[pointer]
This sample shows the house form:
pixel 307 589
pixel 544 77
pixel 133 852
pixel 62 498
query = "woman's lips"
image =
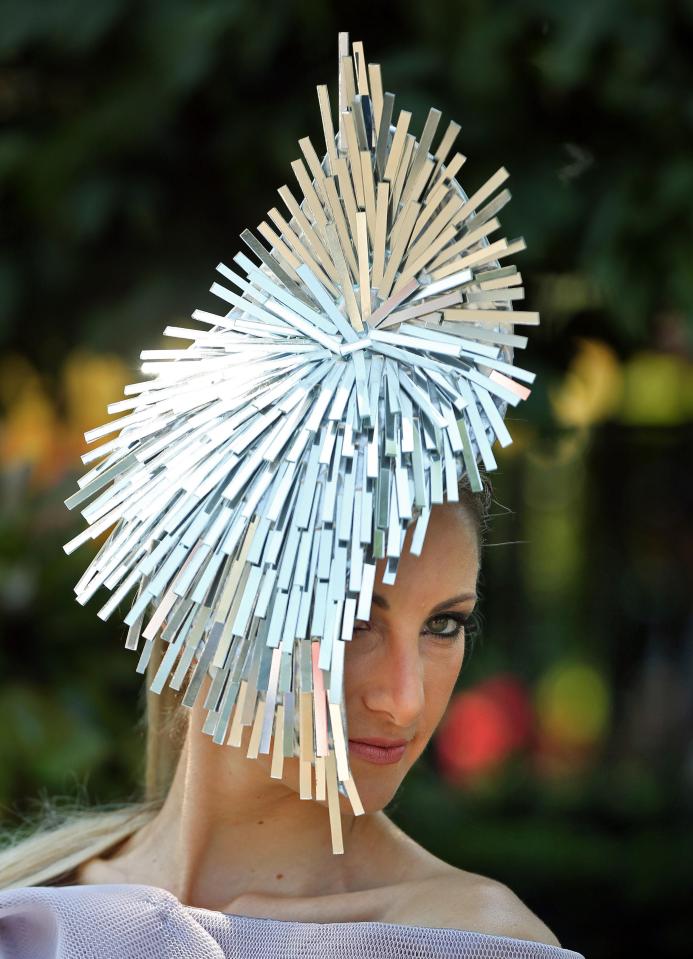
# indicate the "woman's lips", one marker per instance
pixel 381 755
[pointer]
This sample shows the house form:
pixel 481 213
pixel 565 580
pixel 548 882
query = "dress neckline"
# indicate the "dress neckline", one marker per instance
pixel 362 923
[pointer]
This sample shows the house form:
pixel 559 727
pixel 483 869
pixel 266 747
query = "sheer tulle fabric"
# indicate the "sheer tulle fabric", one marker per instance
pixel 124 921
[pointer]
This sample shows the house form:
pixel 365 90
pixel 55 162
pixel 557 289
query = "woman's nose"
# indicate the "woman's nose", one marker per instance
pixel 396 683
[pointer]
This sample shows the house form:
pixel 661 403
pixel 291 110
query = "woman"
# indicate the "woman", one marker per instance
pixel 224 836
pixel 285 497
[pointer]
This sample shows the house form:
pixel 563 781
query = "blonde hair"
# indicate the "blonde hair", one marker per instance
pixel 51 846
pixel 38 855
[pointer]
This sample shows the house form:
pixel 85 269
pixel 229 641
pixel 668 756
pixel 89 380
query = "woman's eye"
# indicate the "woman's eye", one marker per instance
pixel 446 626
pixel 449 626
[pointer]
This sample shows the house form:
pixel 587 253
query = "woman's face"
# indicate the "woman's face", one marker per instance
pixel 401 666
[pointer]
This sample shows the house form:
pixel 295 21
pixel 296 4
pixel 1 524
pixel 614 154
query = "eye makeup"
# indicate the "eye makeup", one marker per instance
pixel 458 620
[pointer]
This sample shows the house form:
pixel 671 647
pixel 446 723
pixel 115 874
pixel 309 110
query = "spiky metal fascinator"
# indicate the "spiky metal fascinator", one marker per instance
pixel 364 365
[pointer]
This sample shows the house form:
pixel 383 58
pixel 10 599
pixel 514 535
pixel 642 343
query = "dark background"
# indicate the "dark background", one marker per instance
pixel 137 140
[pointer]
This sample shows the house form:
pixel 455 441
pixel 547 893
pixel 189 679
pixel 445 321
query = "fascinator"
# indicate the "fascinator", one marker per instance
pixel 360 362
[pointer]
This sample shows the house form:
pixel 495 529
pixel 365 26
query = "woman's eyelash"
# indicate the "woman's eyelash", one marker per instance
pixel 463 620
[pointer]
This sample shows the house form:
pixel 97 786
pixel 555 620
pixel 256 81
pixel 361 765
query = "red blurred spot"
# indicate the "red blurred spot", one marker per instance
pixel 515 701
pixel 483 726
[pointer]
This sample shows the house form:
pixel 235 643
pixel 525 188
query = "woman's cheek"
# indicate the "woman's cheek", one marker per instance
pixel 440 681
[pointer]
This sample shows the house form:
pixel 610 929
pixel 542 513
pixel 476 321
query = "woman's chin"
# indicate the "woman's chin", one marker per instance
pixel 375 791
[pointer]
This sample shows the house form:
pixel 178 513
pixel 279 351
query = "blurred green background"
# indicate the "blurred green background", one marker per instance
pixel 137 140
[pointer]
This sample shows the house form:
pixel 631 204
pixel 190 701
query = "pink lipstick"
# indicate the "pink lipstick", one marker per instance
pixel 380 751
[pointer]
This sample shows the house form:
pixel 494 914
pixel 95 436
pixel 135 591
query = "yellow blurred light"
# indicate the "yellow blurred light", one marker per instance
pixel 29 427
pixel 16 374
pixel 90 382
pixel 572 704
pixel 592 387
pixel 658 390
pixel 32 430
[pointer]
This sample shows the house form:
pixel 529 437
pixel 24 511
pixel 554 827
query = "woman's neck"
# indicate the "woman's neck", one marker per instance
pixel 227 830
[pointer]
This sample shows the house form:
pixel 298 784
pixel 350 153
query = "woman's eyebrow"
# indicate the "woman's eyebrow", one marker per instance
pixel 380 600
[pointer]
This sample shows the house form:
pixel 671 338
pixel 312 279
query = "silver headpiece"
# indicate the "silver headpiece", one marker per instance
pixel 362 362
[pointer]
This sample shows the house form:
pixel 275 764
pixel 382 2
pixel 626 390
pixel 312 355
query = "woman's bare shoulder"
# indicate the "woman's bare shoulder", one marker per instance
pixel 431 892
pixel 457 899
